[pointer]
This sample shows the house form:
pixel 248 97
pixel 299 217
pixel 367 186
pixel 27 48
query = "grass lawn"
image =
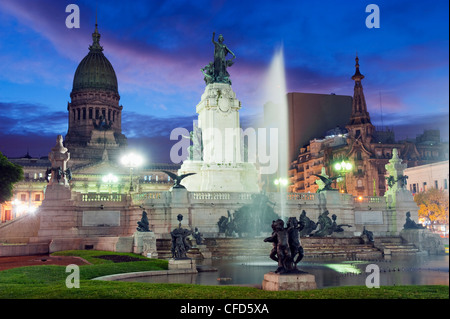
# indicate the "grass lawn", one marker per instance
pixel 43 282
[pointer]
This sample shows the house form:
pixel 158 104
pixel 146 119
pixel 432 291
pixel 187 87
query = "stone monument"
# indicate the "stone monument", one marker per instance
pixel 216 154
pixel 59 175
pixel 144 240
pixel 398 198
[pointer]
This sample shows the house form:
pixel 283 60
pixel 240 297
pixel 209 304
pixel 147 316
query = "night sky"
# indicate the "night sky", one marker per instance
pixel 157 49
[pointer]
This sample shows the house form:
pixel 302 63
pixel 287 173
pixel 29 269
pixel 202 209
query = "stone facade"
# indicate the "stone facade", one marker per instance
pixel 421 178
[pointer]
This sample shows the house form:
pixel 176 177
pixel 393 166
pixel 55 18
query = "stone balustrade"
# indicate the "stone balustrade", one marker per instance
pixel 370 199
pixel 102 197
pixel 142 197
pixel 300 196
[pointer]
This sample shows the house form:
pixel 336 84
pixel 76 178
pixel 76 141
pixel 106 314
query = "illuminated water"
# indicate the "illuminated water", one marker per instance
pixel 276 109
pixel 401 270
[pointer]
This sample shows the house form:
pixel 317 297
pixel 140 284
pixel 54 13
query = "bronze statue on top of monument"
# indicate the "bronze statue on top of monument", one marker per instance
pixel 216 71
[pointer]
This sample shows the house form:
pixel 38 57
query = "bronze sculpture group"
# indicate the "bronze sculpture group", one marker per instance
pixel 179 235
pixel 287 250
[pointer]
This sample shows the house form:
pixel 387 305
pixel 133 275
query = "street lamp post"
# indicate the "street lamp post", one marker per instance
pixel 131 161
pixel 343 167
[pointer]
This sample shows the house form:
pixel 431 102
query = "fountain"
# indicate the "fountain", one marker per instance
pixel 276 116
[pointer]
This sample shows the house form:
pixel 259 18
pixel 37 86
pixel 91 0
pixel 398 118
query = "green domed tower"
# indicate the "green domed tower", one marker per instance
pixel 95 115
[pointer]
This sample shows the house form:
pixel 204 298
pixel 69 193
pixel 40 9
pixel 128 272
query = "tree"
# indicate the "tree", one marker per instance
pixel 433 205
pixel 10 174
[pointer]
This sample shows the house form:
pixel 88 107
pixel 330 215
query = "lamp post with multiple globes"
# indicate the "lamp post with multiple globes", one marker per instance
pixel 343 167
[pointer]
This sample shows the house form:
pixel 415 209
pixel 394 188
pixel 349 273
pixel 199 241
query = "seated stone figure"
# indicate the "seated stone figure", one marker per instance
pixel 308 225
pixel 143 225
pixel 337 228
pixel 367 234
pixel 325 224
pixel 197 236
pixel 411 224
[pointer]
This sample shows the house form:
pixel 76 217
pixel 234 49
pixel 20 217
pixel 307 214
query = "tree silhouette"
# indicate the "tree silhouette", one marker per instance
pixel 10 174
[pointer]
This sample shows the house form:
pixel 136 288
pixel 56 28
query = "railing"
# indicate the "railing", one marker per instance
pixel 145 196
pixel 210 196
pixel 220 196
pixel 300 196
pixel 369 199
pixel 101 197
pixel 224 196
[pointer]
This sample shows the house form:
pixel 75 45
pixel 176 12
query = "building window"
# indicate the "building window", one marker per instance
pixel 359 183
pixel 414 188
pixel 23 197
pixel 445 183
pixel 424 186
pixel 358 156
pixel 90 114
pixel 436 185
pixel 84 113
pixel 37 197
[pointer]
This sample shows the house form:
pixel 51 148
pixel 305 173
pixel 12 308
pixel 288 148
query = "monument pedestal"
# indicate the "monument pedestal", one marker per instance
pixel 218 150
pixel 144 243
pixel 183 264
pixel 293 282
pixel 424 240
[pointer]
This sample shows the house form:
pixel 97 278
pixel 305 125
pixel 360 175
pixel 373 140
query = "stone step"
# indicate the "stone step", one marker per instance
pixel 314 247
pixel 386 240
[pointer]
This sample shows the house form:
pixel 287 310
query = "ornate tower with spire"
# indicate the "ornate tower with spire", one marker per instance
pixel 359 140
pixel 359 115
pixel 94 112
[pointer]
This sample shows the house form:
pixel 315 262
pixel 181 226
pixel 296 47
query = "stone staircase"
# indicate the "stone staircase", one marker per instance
pixel 395 246
pixel 314 247
pixel 329 247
